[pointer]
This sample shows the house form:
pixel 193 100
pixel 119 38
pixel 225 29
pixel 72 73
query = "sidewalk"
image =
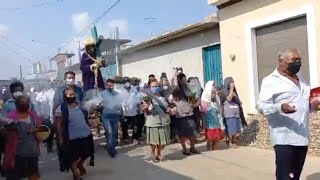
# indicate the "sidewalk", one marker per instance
pixel 244 163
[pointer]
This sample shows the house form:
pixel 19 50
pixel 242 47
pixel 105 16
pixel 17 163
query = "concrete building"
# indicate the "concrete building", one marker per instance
pixel 193 47
pixel 63 60
pixel 252 32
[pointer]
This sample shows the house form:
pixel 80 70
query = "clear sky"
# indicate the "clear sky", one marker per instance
pixel 34 29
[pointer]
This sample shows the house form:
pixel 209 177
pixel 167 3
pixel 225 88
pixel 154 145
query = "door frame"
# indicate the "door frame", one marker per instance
pixel 251 47
pixel 203 62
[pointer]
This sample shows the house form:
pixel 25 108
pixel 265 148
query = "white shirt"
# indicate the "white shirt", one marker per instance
pixel 45 100
pixel 285 129
pixel 49 97
pixel 130 102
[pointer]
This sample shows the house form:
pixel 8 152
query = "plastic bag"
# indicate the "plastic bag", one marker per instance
pixel 131 99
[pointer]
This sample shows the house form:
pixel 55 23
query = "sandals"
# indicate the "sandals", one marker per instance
pixel 162 159
pixel 82 170
pixel 155 160
pixel 77 178
pixel 194 151
pixel 186 152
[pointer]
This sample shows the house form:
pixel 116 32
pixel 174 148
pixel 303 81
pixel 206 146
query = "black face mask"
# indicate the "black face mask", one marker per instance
pixel 70 100
pixel 294 67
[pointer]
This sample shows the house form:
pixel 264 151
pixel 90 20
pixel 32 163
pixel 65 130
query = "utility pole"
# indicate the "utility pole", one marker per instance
pixel 20 69
pixel 79 52
pixel 117 50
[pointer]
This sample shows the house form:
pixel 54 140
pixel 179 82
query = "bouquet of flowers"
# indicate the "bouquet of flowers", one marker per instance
pixel 135 81
pixel 118 80
pixel 148 101
pixel 315 99
pixel 191 97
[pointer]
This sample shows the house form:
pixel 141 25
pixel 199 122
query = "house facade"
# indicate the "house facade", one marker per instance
pixel 195 48
pixel 252 32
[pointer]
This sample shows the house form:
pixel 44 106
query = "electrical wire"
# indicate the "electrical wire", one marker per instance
pixel 32 6
pixel 92 23
pixel 16 44
pixel 14 52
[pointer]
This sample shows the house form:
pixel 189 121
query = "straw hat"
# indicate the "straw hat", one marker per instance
pixel 89 41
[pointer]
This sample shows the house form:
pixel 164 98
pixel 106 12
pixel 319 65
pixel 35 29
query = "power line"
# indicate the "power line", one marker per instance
pixel 32 6
pixel 14 52
pixel 92 23
pixel 16 44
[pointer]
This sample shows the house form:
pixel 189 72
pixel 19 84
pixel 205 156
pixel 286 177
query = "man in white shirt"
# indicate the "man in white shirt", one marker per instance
pixel 284 100
pixel 130 110
pixel 44 109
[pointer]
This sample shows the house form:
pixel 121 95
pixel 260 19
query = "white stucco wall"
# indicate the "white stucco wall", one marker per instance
pixel 185 52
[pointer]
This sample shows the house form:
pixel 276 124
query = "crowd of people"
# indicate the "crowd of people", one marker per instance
pixel 158 112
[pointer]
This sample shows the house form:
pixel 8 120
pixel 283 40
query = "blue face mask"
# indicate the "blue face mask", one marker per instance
pixel 155 90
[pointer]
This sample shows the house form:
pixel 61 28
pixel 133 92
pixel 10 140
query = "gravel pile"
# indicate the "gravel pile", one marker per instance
pixel 257 133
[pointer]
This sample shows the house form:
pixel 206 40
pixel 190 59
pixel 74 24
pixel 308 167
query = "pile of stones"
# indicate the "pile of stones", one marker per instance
pixel 257 133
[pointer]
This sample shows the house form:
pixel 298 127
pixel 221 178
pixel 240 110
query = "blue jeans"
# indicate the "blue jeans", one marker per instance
pixel 111 132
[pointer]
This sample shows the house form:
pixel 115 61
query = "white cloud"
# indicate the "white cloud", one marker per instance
pixel 3 29
pixel 122 24
pixel 80 21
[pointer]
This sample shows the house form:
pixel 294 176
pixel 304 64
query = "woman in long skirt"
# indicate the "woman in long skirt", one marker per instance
pixel 157 122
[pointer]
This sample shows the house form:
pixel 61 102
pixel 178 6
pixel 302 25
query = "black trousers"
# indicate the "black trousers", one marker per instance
pixel 289 159
pixel 50 139
pixel 138 124
pixel 125 123
pixel 173 127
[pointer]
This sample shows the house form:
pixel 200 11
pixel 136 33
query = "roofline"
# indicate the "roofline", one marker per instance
pixel 208 23
pixel 69 55
pixel 226 3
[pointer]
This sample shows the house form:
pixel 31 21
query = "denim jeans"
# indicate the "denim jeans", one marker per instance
pixel 111 132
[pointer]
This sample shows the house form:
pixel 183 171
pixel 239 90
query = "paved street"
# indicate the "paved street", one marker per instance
pixel 133 163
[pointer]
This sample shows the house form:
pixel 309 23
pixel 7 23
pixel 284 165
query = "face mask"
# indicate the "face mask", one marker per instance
pixel 294 67
pixel 70 81
pixel 127 85
pixel 17 94
pixel 70 100
pixel 155 90
pixel 23 107
pixel 165 87
pixel 110 89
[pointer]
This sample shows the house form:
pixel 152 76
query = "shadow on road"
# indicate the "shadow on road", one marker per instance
pixel 127 165
pixel 315 176
pixel 250 133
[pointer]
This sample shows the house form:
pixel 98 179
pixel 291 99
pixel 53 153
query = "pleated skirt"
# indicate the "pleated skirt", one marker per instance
pixel 158 135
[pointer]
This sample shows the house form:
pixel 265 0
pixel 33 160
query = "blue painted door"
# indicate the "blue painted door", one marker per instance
pixel 212 64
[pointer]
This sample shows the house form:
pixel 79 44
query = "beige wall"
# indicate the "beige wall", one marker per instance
pixel 185 52
pixel 234 22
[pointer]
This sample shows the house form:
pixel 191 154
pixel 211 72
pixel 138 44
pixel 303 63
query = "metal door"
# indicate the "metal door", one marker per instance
pixel 212 64
pixel 277 37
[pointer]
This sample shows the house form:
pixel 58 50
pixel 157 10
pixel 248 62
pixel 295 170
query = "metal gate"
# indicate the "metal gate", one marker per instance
pixel 212 64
